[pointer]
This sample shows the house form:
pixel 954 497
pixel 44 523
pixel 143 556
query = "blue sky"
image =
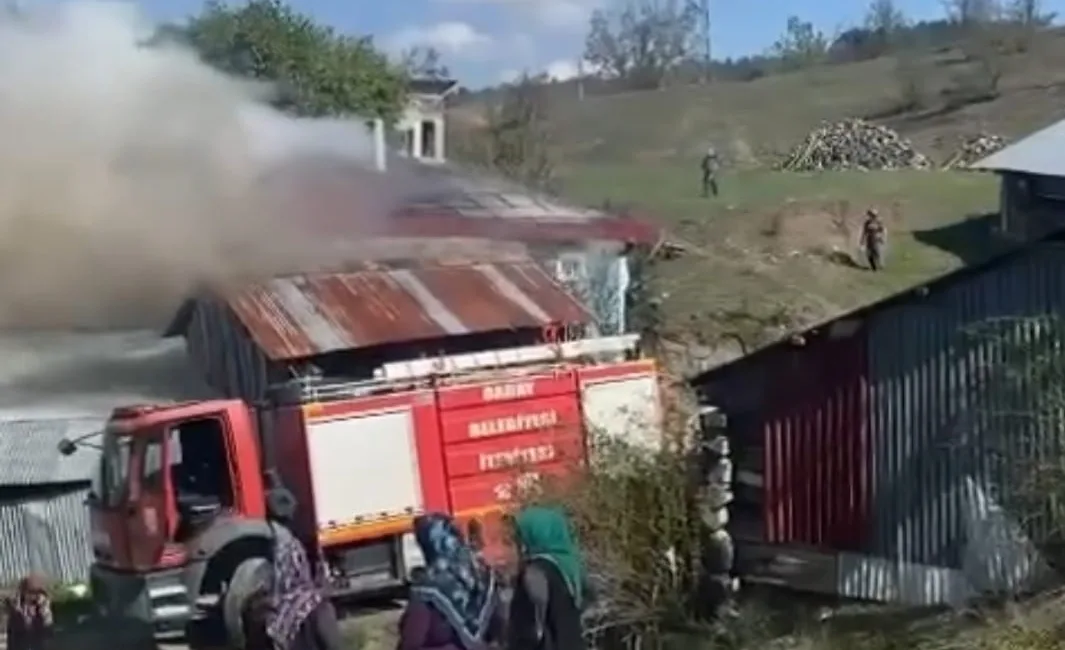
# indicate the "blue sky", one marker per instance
pixel 484 41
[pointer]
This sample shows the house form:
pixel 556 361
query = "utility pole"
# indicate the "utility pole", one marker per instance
pixel 708 60
pixel 580 79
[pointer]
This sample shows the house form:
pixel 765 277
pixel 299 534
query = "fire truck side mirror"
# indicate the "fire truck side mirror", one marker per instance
pixel 67 447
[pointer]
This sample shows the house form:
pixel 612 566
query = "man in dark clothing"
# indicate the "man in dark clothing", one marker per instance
pixel 710 166
pixel 874 237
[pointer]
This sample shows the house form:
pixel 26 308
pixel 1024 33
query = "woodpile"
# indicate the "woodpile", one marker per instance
pixel 854 144
pixel 975 149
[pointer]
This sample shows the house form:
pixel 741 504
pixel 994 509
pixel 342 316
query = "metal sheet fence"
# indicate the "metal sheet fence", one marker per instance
pixel 952 419
pixel 816 448
pixel 47 532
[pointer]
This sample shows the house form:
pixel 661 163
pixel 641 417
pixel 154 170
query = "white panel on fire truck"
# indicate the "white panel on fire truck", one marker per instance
pixel 412 554
pixel 624 408
pixel 364 468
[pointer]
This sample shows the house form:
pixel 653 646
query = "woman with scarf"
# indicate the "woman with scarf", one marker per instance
pixel 454 601
pixel 299 616
pixel 29 615
pixel 551 588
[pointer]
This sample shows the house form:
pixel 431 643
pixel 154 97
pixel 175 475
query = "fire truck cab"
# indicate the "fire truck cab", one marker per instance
pixel 178 513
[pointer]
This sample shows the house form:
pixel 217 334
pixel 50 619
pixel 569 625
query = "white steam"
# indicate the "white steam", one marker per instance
pixel 130 173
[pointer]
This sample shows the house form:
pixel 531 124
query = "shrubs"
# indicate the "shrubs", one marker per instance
pixel 636 513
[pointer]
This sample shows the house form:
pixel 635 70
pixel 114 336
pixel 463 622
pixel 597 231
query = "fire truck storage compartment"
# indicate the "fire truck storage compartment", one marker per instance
pixel 498 435
pixel 364 467
pixel 623 398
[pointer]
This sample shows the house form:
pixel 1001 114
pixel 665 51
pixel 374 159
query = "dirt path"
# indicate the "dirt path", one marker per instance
pixel 365 629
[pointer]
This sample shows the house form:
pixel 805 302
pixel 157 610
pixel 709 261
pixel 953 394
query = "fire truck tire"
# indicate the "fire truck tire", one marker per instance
pixel 252 576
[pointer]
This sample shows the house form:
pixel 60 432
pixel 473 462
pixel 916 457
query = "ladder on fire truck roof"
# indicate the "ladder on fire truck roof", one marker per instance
pixel 468 365
pixel 493 359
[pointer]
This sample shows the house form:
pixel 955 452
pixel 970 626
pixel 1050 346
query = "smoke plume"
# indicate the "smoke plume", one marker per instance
pixel 130 173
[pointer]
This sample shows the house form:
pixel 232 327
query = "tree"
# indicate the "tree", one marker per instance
pixel 972 13
pixel 324 73
pixel 518 136
pixel 801 45
pixel 885 19
pixel 424 63
pixel 1029 13
pixel 643 40
pixel 1026 18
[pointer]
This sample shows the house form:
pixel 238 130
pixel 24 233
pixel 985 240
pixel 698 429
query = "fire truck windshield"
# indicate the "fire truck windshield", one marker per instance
pixel 109 485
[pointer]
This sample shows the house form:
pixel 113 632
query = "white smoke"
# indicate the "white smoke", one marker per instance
pixel 130 173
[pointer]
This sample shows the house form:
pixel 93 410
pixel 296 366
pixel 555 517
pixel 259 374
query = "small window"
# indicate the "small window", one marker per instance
pixel 568 269
pixel 110 487
pixel 152 477
pixel 429 139
pixel 199 465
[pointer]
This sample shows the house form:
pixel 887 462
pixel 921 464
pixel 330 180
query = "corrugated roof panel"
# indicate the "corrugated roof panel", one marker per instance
pixel 46 534
pixel 29 454
pixel 1039 153
pixel 436 310
pixel 302 316
pixel 440 201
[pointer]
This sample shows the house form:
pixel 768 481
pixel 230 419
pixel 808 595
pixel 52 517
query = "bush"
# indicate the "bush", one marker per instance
pixel 1018 637
pixel 636 516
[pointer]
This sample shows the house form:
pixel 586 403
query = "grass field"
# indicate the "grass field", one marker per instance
pixel 778 250
pixel 756 122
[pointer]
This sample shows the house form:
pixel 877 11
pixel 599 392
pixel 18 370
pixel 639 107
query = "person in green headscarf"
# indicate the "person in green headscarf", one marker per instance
pixel 551 589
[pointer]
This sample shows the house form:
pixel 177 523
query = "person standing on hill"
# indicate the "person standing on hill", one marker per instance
pixel 710 166
pixel 874 238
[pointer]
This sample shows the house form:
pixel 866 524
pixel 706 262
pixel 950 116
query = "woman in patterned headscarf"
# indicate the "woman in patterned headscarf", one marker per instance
pixel 29 615
pixel 454 601
pixel 300 617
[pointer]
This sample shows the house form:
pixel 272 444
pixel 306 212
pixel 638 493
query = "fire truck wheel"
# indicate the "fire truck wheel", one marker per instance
pixel 251 577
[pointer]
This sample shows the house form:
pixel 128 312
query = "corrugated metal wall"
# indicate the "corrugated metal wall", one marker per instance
pixel 816 448
pixel 945 429
pixel 224 353
pixel 898 447
pixel 46 531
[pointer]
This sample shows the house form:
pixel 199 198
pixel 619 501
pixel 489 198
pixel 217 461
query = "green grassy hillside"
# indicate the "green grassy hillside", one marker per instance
pixel 778 250
pixel 756 120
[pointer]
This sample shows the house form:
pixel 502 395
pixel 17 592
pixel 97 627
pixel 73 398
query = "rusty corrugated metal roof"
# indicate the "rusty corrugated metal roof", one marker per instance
pixel 446 222
pixel 302 316
pixel 440 201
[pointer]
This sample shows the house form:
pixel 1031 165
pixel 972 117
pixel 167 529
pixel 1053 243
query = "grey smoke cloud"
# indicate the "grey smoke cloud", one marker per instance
pixel 129 173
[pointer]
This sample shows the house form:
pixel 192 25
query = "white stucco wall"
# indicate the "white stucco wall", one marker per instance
pixel 598 274
pixel 422 109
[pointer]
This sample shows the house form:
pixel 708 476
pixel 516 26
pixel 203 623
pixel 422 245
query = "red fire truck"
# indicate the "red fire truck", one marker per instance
pixel 178 520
